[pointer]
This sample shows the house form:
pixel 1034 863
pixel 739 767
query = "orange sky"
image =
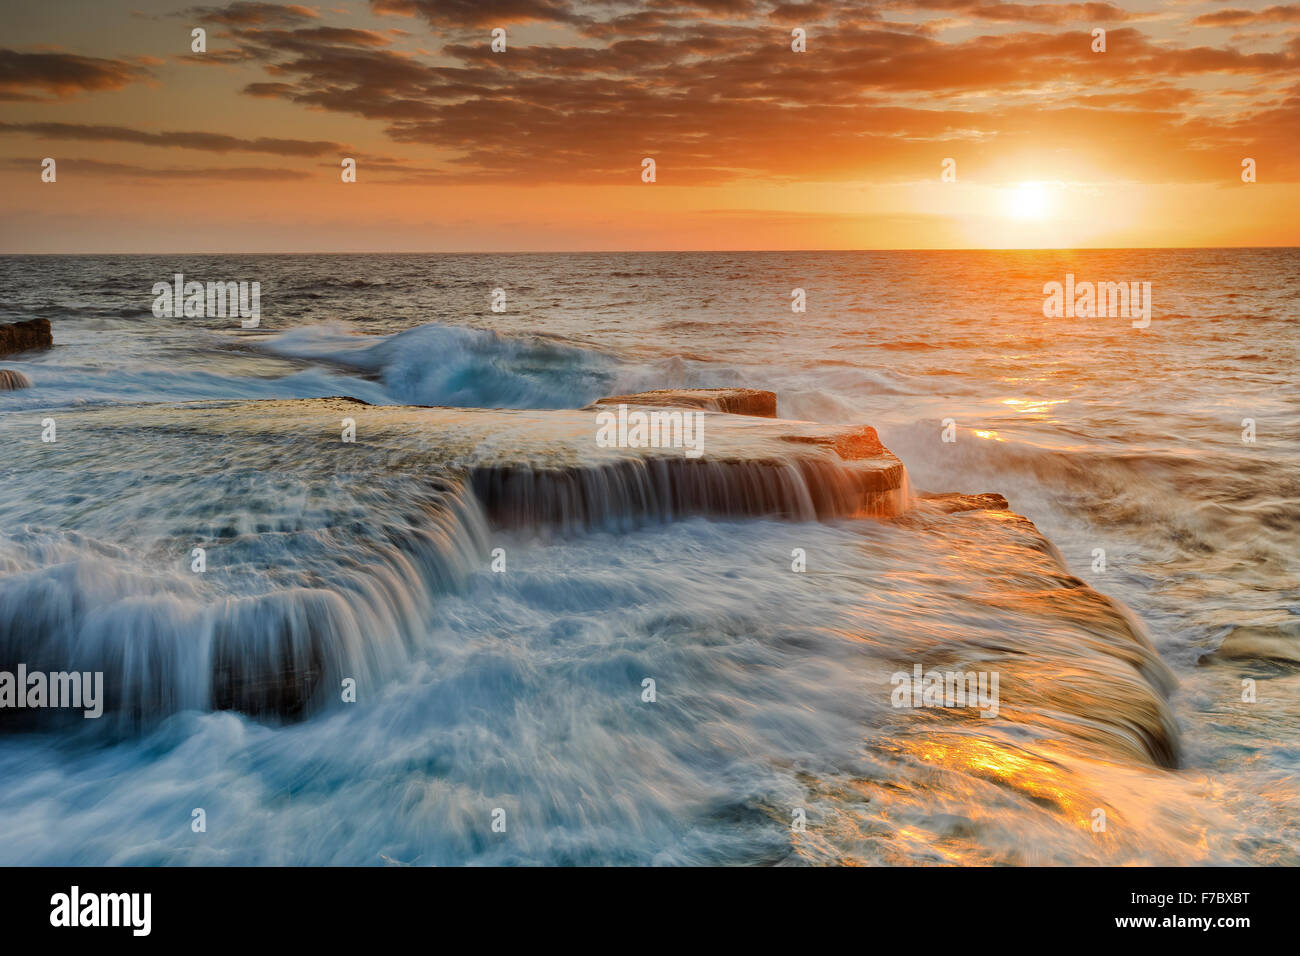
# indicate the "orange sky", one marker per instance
pixel 459 148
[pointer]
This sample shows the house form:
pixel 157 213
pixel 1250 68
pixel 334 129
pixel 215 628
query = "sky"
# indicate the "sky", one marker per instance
pixel 900 124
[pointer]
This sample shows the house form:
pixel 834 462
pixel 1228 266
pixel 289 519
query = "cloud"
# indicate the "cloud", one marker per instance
pixel 94 168
pixel 251 14
pixel 1236 18
pixel 57 75
pixel 476 13
pixel 1044 13
pixel 210 142
pixel 712 90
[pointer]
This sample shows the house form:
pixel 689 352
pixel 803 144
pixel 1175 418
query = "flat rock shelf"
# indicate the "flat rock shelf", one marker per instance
pixel 526 467
pixel 332 530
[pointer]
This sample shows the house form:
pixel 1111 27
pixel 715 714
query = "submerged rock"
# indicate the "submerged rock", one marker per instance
pixel 1073 662
pixel 1253 642
pixel 24 336
pixel 11 380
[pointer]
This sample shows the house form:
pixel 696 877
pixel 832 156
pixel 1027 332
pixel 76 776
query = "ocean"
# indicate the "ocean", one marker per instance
pixel 1161 461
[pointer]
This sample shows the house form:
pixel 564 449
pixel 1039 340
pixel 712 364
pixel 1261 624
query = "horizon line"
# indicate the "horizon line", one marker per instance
pixel 576 252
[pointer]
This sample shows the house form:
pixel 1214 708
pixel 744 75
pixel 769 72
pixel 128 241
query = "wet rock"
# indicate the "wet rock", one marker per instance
pixel 952 503
pixel 1278 642
pixel 11 380
pixel 734 401
pixel 25 336
pixel 535 468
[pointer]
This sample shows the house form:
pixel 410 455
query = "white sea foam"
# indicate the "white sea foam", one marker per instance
pixel 522 689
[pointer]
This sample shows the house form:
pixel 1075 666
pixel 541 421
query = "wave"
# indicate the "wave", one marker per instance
pixel 458 366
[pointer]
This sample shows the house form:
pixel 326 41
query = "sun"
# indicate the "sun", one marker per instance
pixel 1027 201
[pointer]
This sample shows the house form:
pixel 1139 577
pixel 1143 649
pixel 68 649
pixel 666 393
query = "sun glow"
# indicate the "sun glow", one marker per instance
pixel 1027 201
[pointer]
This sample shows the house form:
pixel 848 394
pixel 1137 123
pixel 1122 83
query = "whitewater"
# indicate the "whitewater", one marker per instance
pixel 523 690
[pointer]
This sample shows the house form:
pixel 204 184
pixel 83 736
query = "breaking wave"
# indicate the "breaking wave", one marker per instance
pixel 460 366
